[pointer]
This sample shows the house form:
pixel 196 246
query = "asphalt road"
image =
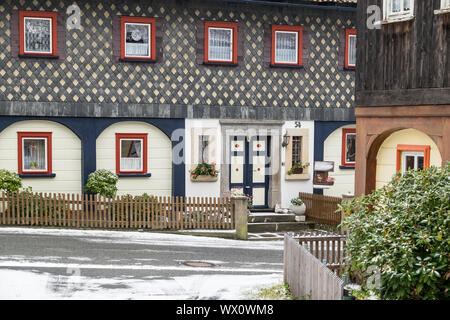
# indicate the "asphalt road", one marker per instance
pixel 48 264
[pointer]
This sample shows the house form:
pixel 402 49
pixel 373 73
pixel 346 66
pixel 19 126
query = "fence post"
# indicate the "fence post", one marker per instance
pixel 239 206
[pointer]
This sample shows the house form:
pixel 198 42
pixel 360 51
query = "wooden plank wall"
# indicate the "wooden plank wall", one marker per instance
pixel 307 277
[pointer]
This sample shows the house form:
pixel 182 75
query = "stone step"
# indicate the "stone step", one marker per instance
pixel 270 217
pixel 279 226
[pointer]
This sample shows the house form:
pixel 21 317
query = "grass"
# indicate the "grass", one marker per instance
pixel 276 292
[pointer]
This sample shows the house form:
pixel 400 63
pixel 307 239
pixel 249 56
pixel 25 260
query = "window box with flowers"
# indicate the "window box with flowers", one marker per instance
pixel 204 172
pixel 297 168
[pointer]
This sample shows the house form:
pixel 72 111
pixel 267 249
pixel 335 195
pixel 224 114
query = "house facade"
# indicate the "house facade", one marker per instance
pixel 403 92
pixel 150 89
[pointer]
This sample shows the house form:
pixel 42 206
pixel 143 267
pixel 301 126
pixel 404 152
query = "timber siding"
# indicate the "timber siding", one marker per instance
pixel 404 63
pixel 88 77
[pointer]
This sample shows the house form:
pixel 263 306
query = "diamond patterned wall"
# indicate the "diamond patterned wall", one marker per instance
pixel 89 75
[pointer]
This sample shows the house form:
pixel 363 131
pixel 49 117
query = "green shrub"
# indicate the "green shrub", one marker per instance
pixel 403 230
pixel 296 201
pixel 9 181
pixel 102 182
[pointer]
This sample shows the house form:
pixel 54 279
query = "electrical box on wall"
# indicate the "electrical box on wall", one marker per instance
pixel 321 170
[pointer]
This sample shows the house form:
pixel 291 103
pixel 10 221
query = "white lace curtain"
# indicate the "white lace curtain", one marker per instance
pixel 131 155
pixel 220 44
pixel 38 35
pixel 352 50
pixel 137 40
pixel 34 154
pixel 286 47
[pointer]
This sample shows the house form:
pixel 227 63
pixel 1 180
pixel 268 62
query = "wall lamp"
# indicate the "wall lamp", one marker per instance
pixel 286 139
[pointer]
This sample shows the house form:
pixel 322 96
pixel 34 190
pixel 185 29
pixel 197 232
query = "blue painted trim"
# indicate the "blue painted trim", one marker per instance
pixel 135 175
pixel 88 130
pixel 322 129
pixel 347 167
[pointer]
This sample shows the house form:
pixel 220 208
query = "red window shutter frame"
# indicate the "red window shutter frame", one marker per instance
pixel 348 32
pixel 227 25
pixel 143 20
pixel 299 30
pixel 414 148
pixel 144 137
pixel 346 131
pixel 38 14
pixel 46 135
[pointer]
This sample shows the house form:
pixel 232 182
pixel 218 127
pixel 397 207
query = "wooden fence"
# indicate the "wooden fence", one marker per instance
pixel 327 248
pixel 124 212
pixel 321 209
pixel 307 277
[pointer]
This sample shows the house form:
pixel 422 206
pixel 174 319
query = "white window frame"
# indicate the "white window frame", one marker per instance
pixel 231 44
pixel 296 47
pixel 397 16
pixel 141 167
pixel 445 4
pixel 416 155
pixel 23 154
pixel 149 26
pixel 25 35
pixel 348 53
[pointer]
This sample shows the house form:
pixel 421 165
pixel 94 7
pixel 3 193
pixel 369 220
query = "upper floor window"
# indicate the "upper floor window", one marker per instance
pixel 286 45
pixel 138 37
pixel 38 33
pixel 35 152
pixel 131 153
pixel 412 157
pixel 398 9
pixel 350 48
pixel 221 42
pixel 445 4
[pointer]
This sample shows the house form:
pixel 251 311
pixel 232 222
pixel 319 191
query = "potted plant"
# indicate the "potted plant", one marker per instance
pixel 204 172
pixel 298 206
pixel 297 168
pixel 33 165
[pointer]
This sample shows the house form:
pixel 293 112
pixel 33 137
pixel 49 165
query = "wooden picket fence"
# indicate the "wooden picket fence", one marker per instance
pixel 327 248
pixel 321 209
pixel 120 212
pixel 307 276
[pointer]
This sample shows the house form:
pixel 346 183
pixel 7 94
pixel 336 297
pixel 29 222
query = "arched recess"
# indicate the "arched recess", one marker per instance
pixel 381 156
pixel 159 158
pixel 66 156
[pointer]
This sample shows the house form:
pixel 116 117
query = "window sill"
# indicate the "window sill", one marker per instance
pixel 395 20
pixel 442 11
pixel 228 64
pixel 38 56
pixel 137 60
pixel 347 167
pixel 134 175
pixel 290 66
pixel 302 176
pixel 349 68
pixel 37 175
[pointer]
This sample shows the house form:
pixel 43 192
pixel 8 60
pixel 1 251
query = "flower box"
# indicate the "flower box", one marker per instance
pixel 204 178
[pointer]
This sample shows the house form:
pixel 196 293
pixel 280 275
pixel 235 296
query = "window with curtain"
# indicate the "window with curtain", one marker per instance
pixel 38 35
pixel 137 40
pixel 286 47
pixel 220 44
pixel 352 50
pixel 399 8
pixel 34 154
pixel 131 155
pixel 296 149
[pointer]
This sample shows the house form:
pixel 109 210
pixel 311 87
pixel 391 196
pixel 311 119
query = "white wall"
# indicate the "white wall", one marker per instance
pixel 202 189
pixel 159 159
pixel 66 156
pixel 387 154
pixel 289 188
pixel 345 178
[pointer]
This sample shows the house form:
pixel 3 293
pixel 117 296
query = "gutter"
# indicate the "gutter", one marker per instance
pixel 289 5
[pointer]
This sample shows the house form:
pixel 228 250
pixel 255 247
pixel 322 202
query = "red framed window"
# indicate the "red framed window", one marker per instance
pixel 138 38
pixel 34 152
pixel 415 157
pixel 348 147
pixel 350 48
pixel 287 43
pixel 131 153
pixel 221 42
pixel 38 33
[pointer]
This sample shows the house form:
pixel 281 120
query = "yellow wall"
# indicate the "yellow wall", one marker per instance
pixel 387 155
pixel 159 159
pixel 344 179
pixel 66 156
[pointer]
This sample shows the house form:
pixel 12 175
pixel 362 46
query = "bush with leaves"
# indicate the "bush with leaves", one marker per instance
pixel 102 182
pixel 9 181
pixel 403 229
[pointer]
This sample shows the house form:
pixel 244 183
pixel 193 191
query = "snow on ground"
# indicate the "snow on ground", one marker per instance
pixel 34 285
pixel 163 239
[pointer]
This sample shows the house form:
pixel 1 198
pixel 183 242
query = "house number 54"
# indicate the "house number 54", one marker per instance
pixel 74 20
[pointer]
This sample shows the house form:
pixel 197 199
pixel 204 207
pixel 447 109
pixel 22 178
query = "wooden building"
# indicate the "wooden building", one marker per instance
pixel 402 88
